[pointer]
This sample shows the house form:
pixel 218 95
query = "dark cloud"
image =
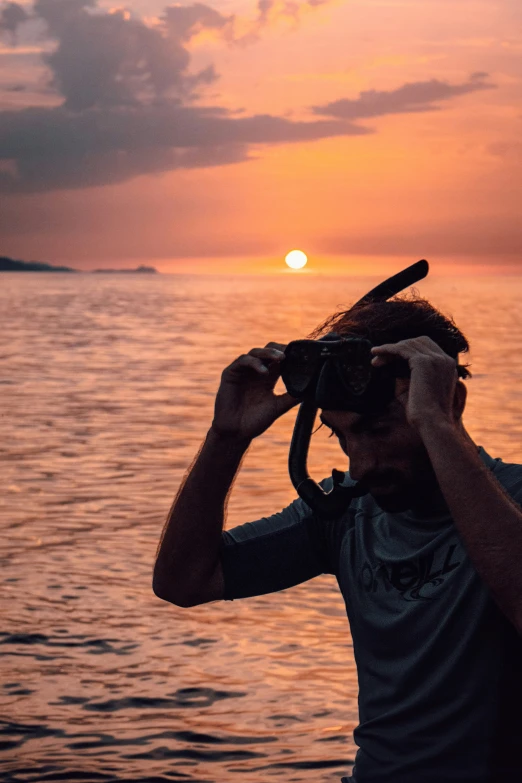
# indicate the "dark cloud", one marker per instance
pixel 411 97
pixel 107 59
pixel 264 7
pixel 128 99
pixel 269 12
pixel 127 93
pixel 11 17
pixel 57 148
pixel 183 22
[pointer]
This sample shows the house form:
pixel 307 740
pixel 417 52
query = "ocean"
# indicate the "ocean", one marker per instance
pixel 107 386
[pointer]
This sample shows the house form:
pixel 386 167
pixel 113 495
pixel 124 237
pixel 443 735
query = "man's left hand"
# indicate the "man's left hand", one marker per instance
pixel 428 395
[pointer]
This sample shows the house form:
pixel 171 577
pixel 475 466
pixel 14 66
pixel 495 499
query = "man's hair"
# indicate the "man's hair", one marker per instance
pixel 400 318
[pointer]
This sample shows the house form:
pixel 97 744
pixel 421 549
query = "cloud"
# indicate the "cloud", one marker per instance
pixel 127 93
pixel 411 97
pixel 183 22
pixel 11 17
pixel 107 59
pixel 129 99
pixel 244 32
pixel 57 148
pixel 110 57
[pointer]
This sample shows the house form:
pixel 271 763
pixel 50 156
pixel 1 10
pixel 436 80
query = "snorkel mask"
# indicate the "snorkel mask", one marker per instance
pixel 335 373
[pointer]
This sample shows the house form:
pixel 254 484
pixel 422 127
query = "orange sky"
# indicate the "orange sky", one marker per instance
pixel 412 150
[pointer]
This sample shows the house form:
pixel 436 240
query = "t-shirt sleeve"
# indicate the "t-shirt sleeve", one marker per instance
pixel 510 477
pixel 280 551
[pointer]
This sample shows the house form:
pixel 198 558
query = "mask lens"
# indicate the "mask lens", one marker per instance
pixel 354 365
pixel 300 365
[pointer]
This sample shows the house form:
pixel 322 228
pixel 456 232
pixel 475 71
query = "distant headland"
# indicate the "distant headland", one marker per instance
pixel 141 269
pixel 11 265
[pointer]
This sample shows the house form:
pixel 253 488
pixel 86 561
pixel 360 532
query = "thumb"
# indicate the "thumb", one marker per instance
pixel 284 402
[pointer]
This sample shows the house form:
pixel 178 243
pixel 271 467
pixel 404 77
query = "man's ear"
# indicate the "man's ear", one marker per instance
pixel 459 399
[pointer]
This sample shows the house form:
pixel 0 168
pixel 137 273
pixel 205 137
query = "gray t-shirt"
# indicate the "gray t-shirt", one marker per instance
pixel 439 666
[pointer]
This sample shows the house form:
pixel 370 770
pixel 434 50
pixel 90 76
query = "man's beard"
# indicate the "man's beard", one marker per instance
pixel 394 502
pixel 419 490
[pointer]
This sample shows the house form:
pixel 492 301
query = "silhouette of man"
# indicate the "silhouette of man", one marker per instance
pixel 429 561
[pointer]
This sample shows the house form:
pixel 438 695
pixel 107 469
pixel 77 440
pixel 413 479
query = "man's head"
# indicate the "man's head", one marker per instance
pixel 386 453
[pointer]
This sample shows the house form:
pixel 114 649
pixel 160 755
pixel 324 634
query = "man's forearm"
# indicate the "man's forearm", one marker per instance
pixel 488 520
pixel 189 548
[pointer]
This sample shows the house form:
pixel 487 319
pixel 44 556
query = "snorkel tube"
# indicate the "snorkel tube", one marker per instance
pixel 332 504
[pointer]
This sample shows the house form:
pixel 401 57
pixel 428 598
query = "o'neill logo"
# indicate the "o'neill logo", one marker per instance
pixel 414 579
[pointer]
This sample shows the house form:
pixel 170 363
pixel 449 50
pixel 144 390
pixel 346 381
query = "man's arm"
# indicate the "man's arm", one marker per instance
pixel 187 569
pixel 488 520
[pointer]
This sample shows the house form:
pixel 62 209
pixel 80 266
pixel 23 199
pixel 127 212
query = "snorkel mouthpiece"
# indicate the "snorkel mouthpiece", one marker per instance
pixel 335 373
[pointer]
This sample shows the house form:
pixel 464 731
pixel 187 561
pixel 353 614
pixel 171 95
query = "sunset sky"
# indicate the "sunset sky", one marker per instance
pixel 195 137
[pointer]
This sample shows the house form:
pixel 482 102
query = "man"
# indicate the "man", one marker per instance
pixel 429 561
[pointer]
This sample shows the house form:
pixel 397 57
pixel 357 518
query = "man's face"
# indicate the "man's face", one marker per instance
pixel 386 454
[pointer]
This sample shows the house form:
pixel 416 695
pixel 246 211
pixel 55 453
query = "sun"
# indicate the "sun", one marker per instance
pixel 296 259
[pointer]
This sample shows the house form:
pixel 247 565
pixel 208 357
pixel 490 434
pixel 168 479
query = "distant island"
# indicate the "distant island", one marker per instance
pixel 10 265
pixel 141 269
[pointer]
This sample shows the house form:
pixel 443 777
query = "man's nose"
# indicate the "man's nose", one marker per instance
pixel 363 462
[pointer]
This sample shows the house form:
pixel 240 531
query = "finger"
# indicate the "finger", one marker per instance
pixel 404 349
pixel 385 354
pixel 275 354
pixel 271 358
pixel 409 347
pixel 269 355
pixel 284 402
pixel 245 362
pixel 414 351
pixel 254 362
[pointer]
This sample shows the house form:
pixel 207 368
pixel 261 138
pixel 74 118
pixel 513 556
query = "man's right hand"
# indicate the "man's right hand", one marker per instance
pixel 246 404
